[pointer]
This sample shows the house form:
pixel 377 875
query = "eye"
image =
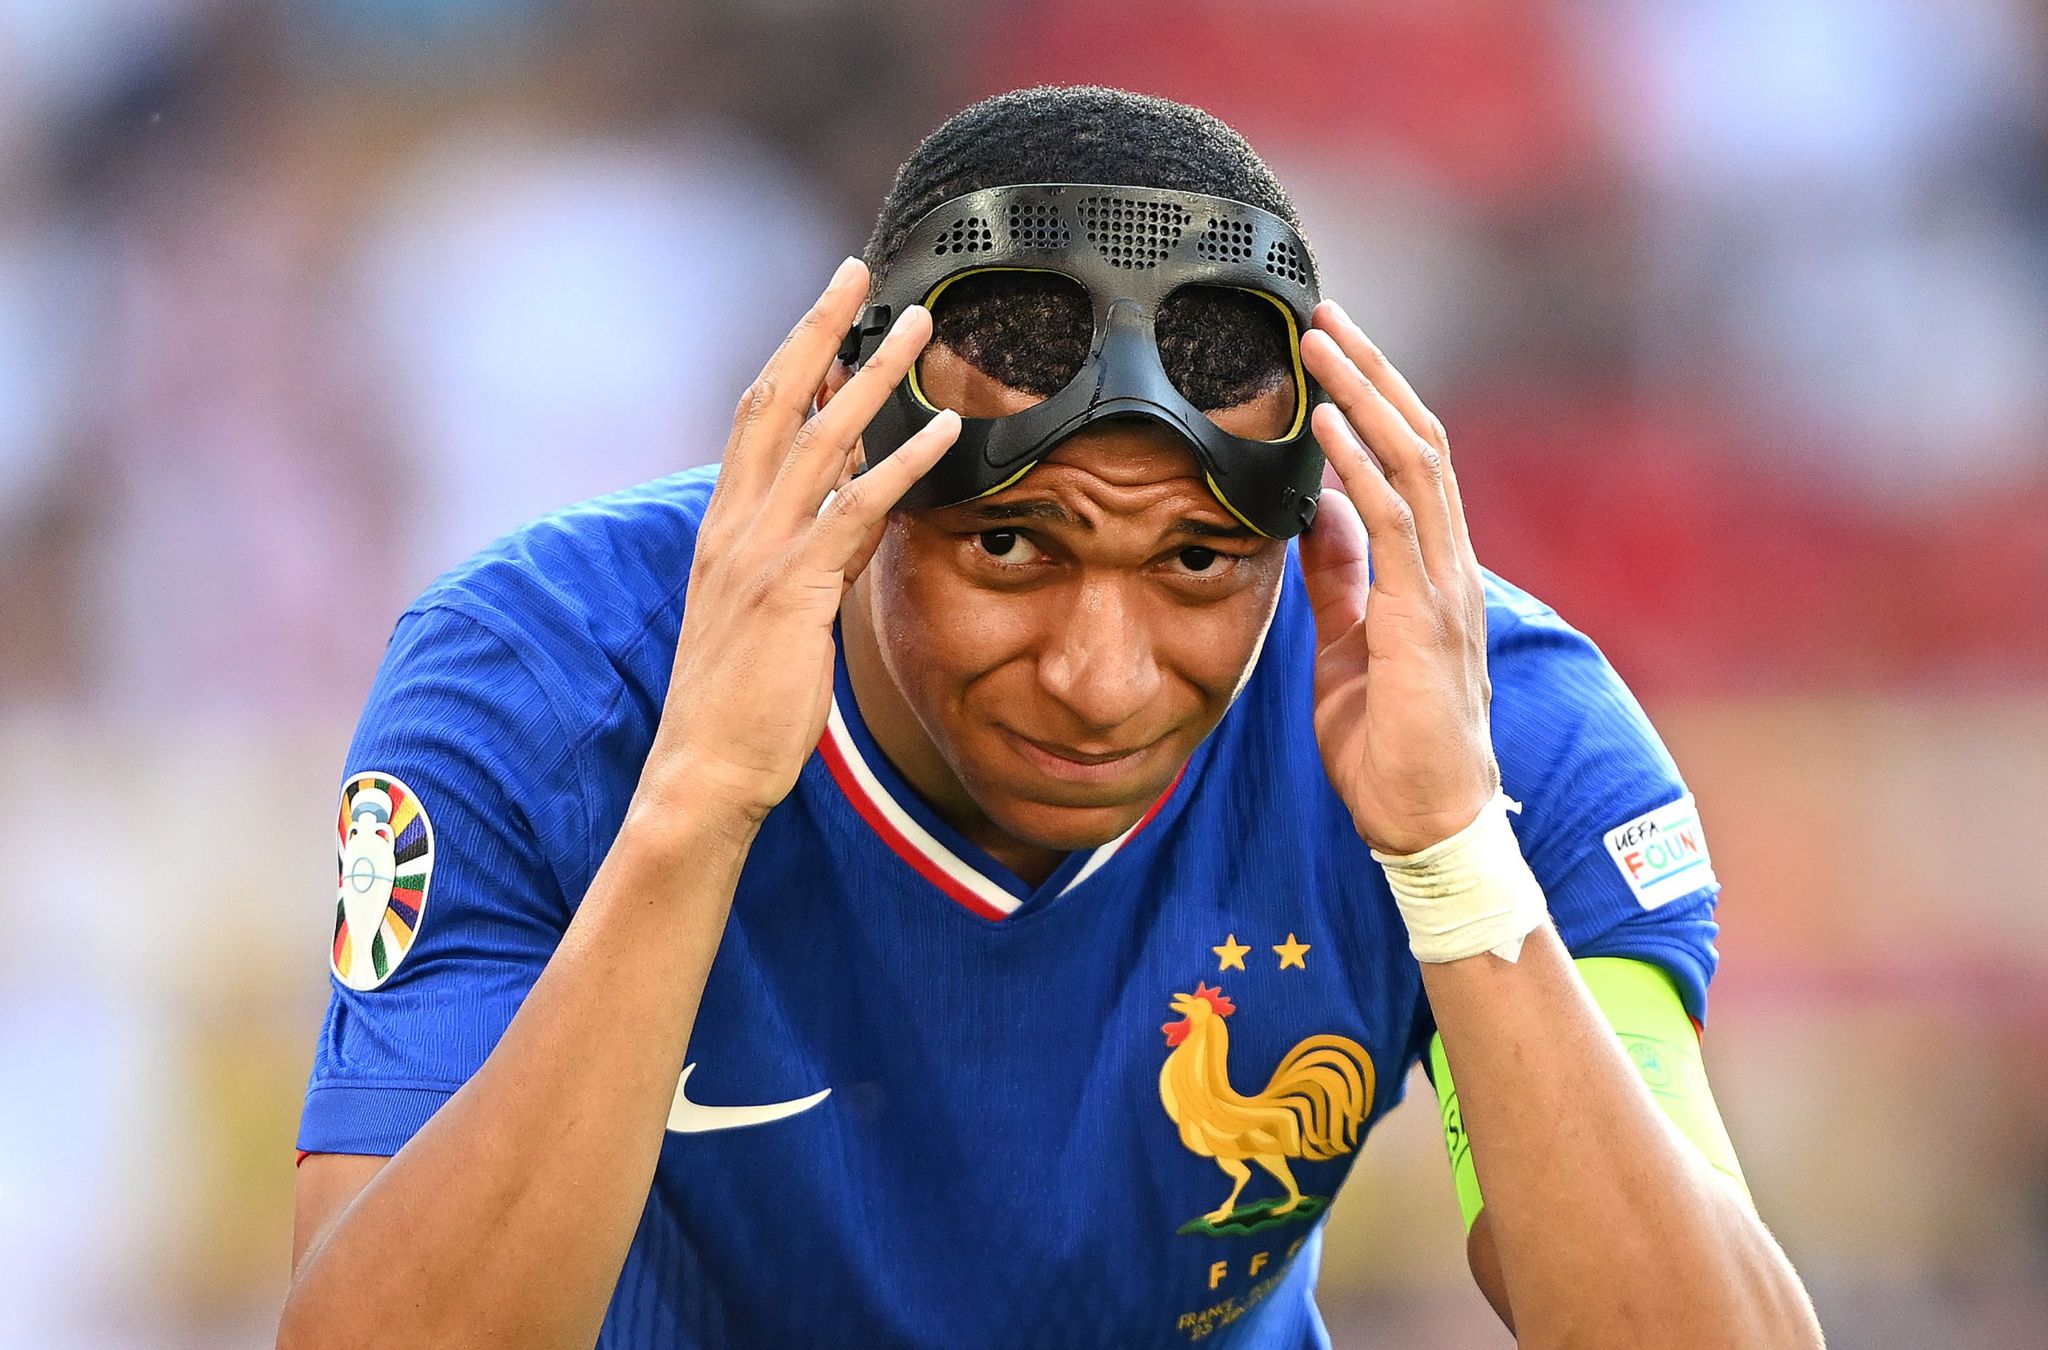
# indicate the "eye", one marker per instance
pixel 1006 546
pixel 1210 568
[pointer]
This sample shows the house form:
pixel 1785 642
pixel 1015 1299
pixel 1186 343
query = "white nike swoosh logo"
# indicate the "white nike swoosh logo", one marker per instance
pixel 688 1117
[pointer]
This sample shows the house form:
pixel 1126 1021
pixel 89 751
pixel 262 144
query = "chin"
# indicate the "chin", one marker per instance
pixel 1052 811
pixel 1065 828
pixel 1068 829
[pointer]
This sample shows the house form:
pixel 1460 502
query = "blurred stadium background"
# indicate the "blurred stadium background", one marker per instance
pixel 1737 310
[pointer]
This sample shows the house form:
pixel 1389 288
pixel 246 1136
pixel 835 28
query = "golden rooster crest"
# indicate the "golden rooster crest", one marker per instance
pixel 1310 1108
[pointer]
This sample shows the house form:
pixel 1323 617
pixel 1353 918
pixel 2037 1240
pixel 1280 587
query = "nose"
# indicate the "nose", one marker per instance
pixel 1099 662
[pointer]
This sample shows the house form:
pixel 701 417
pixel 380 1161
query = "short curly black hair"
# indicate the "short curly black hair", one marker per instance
pixel 1032 332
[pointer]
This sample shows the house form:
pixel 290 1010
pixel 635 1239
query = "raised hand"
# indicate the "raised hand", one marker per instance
pixel 776 551
pixel 1400 686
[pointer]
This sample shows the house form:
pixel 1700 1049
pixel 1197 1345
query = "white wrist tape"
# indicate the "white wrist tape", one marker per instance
pixel 1472 893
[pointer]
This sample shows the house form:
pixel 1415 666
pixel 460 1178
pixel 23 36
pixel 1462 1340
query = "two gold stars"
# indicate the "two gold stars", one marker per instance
pixel 1230 956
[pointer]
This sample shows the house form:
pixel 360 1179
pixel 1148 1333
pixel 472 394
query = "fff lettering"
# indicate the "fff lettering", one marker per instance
pixel 1219 1271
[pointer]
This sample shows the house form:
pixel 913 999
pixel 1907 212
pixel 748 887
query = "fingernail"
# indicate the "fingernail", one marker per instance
pixel 904 318
pixel 1343 315
pixel 844 276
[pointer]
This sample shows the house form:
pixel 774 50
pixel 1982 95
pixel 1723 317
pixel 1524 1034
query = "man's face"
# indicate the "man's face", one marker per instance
pixel 1064 644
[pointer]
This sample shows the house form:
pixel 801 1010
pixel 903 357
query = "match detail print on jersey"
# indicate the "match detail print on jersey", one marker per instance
pixel 384 856
pixel 927 855
pixel 1662 854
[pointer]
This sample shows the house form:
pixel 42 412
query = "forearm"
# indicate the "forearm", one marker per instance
pixel 515 1205
pixel 1611 1228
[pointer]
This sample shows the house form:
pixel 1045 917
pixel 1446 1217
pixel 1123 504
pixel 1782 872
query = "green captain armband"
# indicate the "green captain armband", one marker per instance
pixel 1641 1003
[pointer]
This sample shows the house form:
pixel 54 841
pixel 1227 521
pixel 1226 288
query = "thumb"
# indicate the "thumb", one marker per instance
pixel 1334 564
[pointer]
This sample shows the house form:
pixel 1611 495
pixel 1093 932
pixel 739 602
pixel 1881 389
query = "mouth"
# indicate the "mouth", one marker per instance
pixel 1074 765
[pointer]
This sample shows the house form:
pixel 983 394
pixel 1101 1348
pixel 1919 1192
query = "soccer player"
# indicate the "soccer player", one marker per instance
pixel 780 908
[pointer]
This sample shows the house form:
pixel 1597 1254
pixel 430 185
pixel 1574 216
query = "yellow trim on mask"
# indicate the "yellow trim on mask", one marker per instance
pixel 932 299
pixel 1294 354
pixel 1029 465
pixel 1301 399
pixel 1286 314
pixel 1224 502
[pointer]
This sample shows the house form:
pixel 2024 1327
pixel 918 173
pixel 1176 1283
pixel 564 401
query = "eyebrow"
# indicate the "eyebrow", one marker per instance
pixel 1038 509
pixel 1186 527
pixel 1191 528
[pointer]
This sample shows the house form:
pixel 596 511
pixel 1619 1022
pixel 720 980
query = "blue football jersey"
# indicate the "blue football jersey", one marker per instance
pixel 925 1103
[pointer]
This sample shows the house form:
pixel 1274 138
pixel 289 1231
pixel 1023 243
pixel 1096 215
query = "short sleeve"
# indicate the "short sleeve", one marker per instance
pixel 1606 822
pixel 460 808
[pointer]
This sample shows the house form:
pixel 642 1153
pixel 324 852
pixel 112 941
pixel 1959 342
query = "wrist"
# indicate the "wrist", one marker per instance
pixel 1468 893
pixel 1418 836
pixel 683 774
pixel 680 812
pixel 1421 832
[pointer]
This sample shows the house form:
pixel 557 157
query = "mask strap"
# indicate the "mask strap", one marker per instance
pixel 873 322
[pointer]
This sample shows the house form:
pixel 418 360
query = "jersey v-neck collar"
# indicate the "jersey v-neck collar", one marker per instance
pixel 961 869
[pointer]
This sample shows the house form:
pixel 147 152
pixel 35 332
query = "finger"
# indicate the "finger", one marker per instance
pixel 1389 520
pixel 1332 318
pixel 856 454
pixel 1412 465
pixel 848 525
pixel 1335 563
pixel 849 468
pixel 1475 580
pixel 777 402
pixel 820 450
pixel 1373 363
pixel 864 552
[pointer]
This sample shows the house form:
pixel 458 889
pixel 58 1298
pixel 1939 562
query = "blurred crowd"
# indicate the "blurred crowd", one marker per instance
pixel 302 301
pixel 1737 311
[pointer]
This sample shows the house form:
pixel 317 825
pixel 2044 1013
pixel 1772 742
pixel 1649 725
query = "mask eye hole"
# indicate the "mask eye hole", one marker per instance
pixel 1005 340
pixel 1232 353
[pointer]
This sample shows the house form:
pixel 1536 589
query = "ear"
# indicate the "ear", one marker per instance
pixel 835 380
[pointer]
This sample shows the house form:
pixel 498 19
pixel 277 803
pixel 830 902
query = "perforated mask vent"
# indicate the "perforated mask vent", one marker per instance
pixel 969 234
pixel 1225 240
pixel 1284 260
pixel 1130 233
pixel 1037 225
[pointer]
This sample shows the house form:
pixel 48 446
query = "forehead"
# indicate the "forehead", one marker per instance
pixel 1121 469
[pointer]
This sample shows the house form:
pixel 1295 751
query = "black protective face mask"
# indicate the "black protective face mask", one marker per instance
pixel 1130 248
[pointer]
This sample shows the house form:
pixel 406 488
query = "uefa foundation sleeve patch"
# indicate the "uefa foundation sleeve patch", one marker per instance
pixel 384 851
pixel 1662 854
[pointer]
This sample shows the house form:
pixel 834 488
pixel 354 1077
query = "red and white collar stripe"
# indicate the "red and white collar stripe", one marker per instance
pixel 917 846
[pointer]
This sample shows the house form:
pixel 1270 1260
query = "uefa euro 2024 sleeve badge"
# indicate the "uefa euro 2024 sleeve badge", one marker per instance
pixel 385 855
